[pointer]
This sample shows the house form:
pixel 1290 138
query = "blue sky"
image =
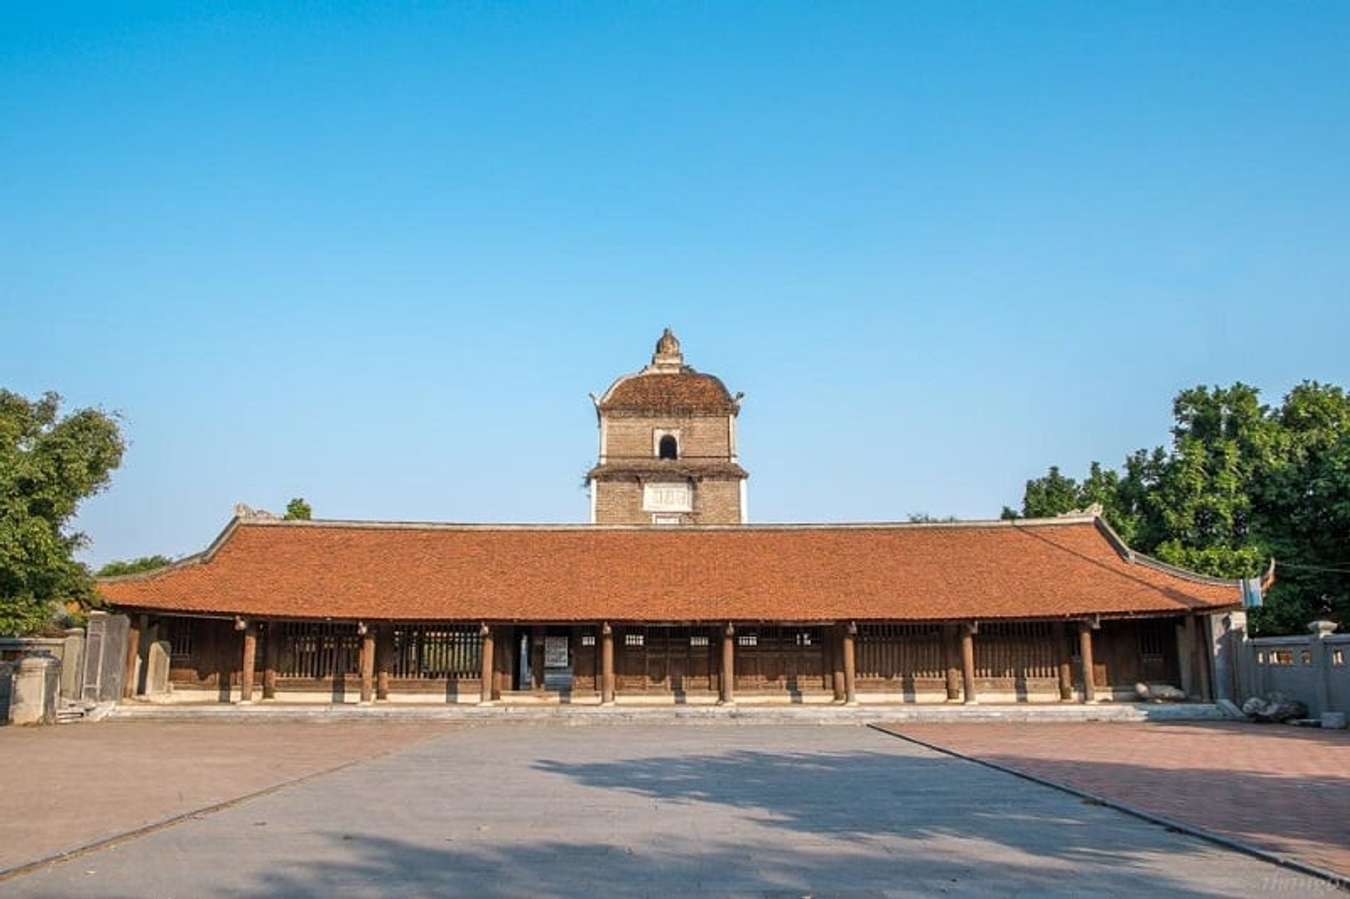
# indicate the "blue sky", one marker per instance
pixel 378 255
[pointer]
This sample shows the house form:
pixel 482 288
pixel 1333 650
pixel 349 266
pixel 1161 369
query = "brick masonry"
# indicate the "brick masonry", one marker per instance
pixel 630 438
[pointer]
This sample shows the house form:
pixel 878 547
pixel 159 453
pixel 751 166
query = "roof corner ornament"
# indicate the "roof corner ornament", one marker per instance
pixel 246 512
pixel 1094 510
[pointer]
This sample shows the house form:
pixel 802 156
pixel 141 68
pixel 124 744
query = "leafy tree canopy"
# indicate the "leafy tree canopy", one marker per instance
pixel 298 510
pixel 1240 483
pixel 133 566
pixel 48 464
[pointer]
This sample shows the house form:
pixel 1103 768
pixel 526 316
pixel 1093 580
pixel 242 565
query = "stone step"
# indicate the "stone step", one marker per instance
pixel 743 714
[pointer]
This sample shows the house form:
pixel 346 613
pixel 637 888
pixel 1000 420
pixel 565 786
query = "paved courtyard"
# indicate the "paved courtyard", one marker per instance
pixel 1284 789
pixel 550 810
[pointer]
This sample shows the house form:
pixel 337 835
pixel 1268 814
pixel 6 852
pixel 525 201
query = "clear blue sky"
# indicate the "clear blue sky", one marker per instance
pixel 377 256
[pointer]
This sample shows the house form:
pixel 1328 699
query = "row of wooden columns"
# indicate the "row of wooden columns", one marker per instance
pixel 373 685
pixel 960 683
pixel 844 675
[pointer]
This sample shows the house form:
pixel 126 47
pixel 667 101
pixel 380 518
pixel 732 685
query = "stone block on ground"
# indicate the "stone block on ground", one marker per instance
pixel 1273 709
pixel 1159 693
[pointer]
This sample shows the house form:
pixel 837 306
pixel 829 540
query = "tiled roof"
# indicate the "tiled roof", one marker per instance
pixel 668 392
pixel 372 571
pixel 647 468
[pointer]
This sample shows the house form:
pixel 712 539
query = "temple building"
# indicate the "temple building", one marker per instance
pixel 668 595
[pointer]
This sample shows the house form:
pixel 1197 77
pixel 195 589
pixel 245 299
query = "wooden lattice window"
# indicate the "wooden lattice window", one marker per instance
pixel 317 650
pixel 1016 649
pixel 1154 636
pixel 180 638
pixel 899 651
pixel 436 652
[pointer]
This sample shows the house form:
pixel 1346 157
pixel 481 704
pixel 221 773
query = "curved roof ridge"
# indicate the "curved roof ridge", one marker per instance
pixel 200 557
pixel 1184 573
pixel 401 524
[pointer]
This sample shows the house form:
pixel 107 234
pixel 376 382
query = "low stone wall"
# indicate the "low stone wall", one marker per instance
pixel 1314 669
pixel 68 650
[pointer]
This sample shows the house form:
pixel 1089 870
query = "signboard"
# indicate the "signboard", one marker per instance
pixel 668 497
pixel 555 652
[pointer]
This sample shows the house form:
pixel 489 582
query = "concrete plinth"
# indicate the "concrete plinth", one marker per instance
pixel 36 686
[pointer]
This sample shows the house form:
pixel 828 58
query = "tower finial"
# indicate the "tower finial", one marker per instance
pixel 668 356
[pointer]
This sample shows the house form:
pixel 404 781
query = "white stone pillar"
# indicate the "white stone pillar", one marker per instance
pixel 36 684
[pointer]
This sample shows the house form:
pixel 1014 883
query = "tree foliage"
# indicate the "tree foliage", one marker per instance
pixel 120 567
pixel 298 510
pixel 1241 483
pixel 925 518
pixel 48 464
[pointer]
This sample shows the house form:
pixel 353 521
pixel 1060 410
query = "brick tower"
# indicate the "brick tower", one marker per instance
pixel 667 447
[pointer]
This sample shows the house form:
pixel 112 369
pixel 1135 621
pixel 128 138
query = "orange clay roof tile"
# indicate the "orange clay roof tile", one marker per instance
pixel 354 570
pixel 686 391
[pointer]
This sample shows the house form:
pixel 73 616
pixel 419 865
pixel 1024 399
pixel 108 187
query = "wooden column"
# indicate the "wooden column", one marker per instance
pixel 1065 663
pixel 271 654
pixel 968 662
pixel 536 658
pixel 727 676
pixel 133 654
pixel 1085 656
pixel 384 660
pixel 367 664
pixel 489 672
pixel 506 645
pixel 837 663
pixel 850 662
pixel 951 659
pixel 606 664
pixel 1204 654
pixel 249 661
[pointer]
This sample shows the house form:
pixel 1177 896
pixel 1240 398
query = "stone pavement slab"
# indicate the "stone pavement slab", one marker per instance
pixel 548 810
pixel 65 787
pixel 1283 789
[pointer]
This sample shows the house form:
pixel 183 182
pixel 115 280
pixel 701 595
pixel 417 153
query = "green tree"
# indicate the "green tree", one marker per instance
pixel 298 510
pixel 1302 508
pixel 1239 484
pixel 133 566
pixel 48 464
pixel 1201 503
pixel 925 518
pixel 1051 495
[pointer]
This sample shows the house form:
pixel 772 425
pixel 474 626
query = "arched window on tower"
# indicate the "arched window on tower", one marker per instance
pixel 668 448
